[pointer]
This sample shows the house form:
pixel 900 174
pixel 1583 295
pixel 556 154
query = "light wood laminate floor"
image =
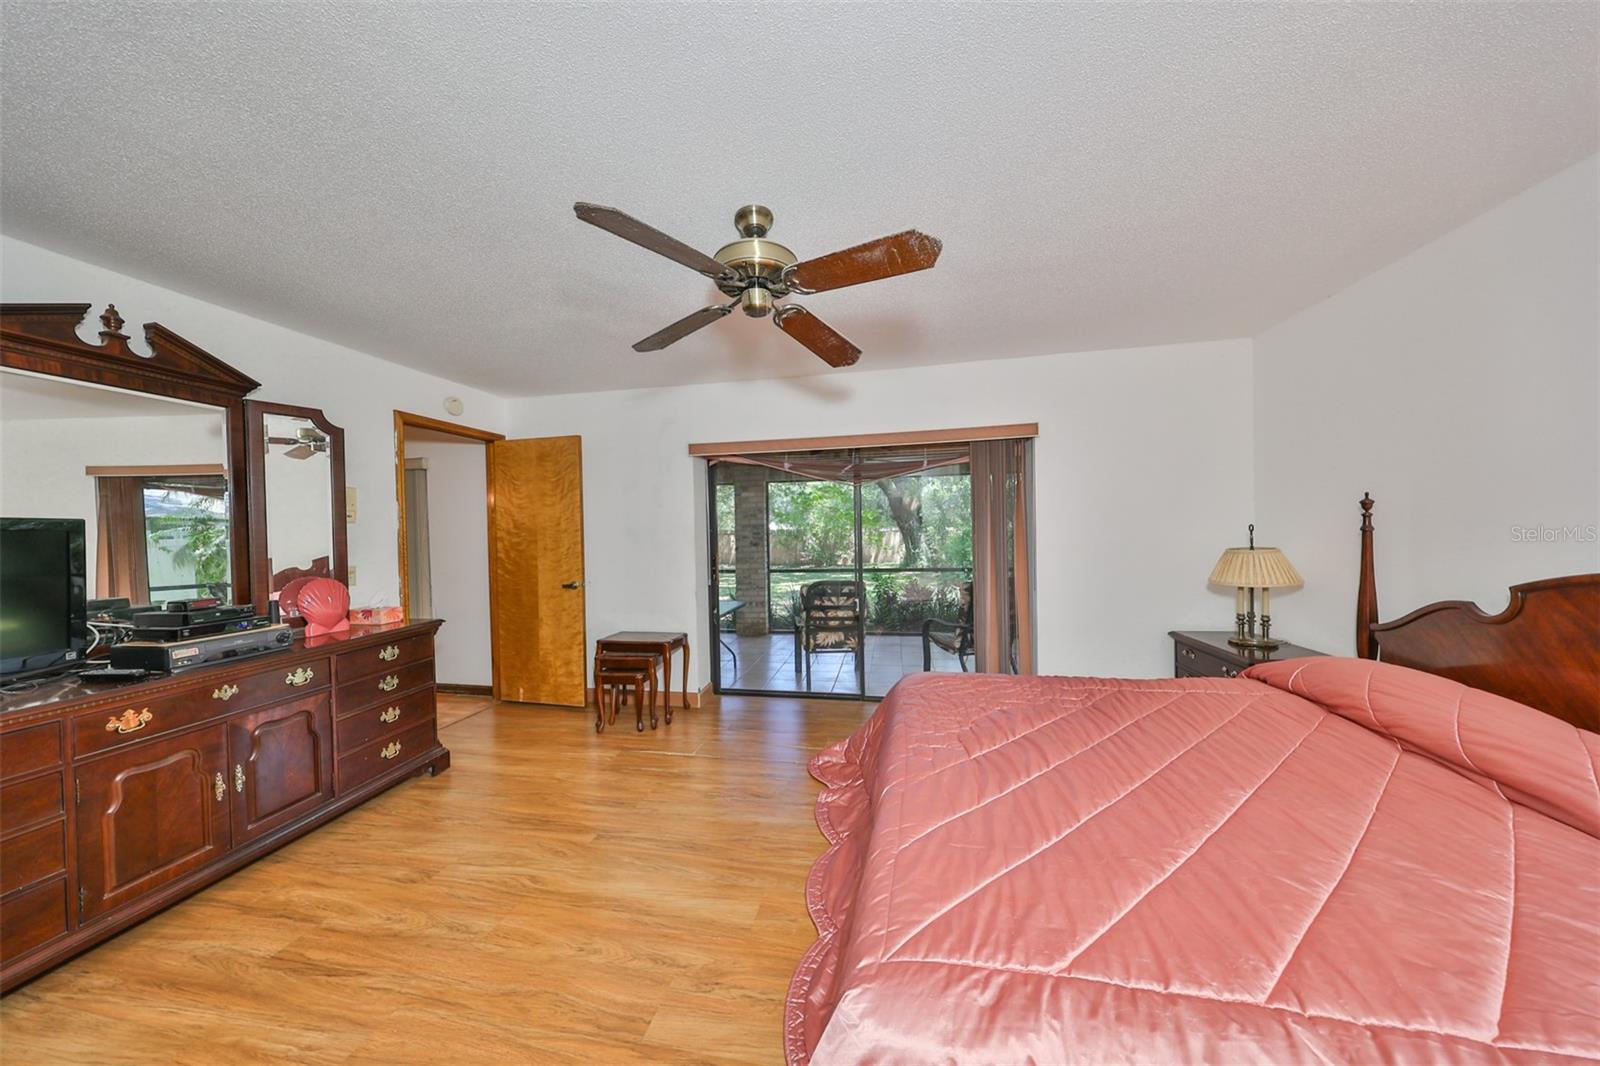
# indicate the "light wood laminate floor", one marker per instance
pixel 557 896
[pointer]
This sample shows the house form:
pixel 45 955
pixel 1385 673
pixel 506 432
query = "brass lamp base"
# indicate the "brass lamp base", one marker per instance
pixel 1245 634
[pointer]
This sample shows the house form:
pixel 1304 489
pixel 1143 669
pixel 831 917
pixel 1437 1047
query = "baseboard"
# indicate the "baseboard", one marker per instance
pixel 466 690
pixel 696 699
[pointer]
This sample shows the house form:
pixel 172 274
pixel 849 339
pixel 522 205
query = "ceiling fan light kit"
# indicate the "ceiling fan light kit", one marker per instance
pixel 758 272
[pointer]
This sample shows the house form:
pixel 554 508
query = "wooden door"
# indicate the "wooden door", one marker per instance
pixel 282 764
pixel 148 814
pixel 536 600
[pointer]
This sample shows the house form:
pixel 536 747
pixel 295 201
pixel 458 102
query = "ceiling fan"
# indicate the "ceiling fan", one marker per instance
pixel 303 445
pixel 758 272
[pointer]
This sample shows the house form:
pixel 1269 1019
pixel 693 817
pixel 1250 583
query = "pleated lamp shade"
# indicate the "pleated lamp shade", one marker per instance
pixel 1257 568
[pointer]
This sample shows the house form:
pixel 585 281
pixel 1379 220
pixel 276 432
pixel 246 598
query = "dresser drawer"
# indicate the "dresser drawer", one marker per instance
pixel 384 658
pixel 383 720
pixel 27 802
pixel 28 857
pixel 381 756
pixel 382 687
pixel 222 694
pixel 261 687
pixel 25 751
pixel 1196 662
pixel 32 917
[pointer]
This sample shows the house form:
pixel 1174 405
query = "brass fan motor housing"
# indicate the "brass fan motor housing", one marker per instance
pixel 754 258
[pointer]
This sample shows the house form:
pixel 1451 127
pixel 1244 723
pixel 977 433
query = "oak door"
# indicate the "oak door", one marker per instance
pixel 148 814
pixel 536 573
pixel 281 764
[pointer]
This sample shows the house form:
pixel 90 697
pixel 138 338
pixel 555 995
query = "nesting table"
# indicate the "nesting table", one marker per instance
pixel 662 644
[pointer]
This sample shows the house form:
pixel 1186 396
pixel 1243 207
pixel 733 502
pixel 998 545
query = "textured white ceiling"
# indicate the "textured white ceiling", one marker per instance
pixel 400 177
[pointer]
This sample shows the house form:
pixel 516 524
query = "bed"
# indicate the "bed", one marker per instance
pixel 1325 860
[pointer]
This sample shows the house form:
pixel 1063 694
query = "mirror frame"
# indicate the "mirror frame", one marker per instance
pixel 43 339
pixel 255 412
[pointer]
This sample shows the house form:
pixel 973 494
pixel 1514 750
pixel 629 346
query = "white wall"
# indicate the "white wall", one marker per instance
pixel 458 540
pixel 44 459
pixel 1142 477
pixel 1460 385
pixel 357 391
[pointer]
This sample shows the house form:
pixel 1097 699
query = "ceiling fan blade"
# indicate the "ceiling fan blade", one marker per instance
pixel 683 327
pixel 885 257
pixel 631 229
pixel 816 334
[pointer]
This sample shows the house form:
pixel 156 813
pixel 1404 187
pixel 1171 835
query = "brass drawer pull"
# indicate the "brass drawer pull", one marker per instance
pixel 238 777
pixel 219 787
pixel 390 751
pixel 1228 671
pixel 390 654
pixel 390 683
pixel 225 693
pixel 1188 653
pixel 129 721
pixel 390 715
pixel 301 676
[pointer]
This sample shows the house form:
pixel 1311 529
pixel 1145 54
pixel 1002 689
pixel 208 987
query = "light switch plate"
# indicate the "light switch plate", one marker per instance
pixel 350 503
pixel 350 573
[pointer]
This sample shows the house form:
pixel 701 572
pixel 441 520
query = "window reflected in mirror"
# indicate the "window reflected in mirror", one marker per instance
pixel 163 537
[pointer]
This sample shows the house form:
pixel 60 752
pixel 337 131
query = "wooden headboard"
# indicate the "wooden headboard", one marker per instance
pixel 1542 650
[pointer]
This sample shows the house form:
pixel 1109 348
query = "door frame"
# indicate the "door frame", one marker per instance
pixel 486 437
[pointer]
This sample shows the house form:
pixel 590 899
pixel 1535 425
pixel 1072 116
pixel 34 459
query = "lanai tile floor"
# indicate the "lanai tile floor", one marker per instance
pixel 767 663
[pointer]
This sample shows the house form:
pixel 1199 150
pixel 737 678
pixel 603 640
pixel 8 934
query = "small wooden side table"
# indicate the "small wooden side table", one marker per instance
pixel 1208 654
pixel 660 643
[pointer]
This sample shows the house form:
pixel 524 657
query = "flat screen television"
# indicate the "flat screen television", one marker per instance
pixel 43 594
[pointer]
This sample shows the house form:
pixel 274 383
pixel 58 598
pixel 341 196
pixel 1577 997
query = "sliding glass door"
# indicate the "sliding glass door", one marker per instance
pixel 837 573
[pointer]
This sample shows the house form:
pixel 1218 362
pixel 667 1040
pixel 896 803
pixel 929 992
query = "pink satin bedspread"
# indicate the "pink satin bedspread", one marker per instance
pixel 1330 860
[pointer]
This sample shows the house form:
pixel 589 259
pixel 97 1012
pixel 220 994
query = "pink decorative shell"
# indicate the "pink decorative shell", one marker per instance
pixel 288 597
pixel 325 603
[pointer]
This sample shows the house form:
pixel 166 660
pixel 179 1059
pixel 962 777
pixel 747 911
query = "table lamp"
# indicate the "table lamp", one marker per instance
pixel 1248 569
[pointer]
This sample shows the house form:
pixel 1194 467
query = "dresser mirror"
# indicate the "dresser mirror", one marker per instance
pixel 297 496
pixel 147 475
pixel 143 444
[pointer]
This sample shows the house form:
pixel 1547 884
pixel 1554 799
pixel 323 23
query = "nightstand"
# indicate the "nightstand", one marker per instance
pixel 1210 655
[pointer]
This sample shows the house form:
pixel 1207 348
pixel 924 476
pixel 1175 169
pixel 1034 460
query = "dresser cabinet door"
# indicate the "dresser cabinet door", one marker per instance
pixel 282 764
pixel 148 814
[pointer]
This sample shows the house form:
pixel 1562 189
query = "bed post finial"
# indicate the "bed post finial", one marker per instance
pixel 1366 588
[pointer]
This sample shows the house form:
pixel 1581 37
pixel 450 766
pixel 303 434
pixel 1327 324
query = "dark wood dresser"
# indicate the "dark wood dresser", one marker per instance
pixel 118 801
pixel 1208 654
